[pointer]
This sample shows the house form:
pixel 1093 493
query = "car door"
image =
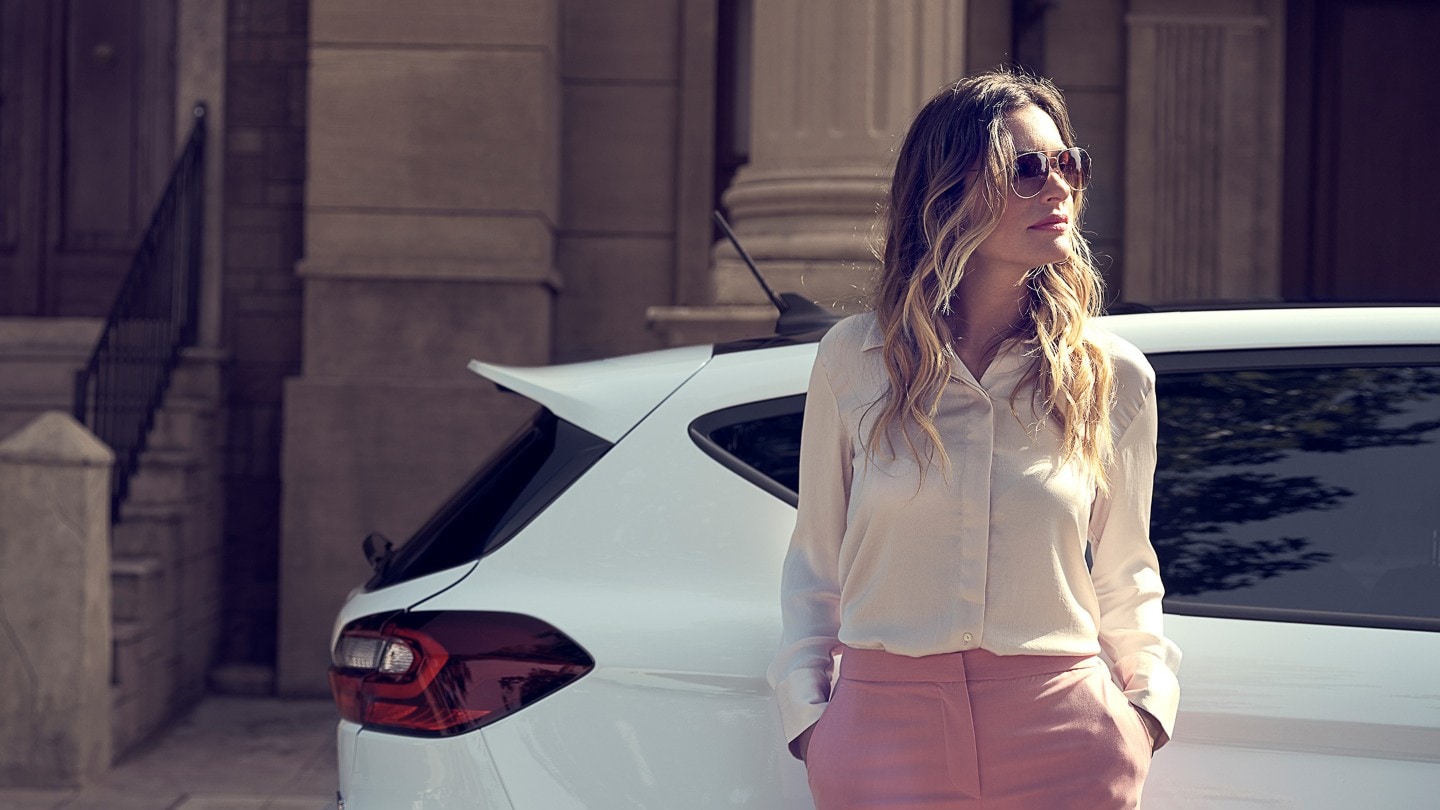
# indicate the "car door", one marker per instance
pixel 1297 503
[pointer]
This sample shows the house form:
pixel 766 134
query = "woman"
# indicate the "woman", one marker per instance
pixel 963 445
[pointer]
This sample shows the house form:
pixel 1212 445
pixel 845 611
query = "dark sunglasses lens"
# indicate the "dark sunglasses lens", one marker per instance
pixel 1031 172
pixel 1075 167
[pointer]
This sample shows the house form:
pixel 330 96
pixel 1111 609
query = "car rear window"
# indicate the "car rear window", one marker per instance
pixel 512 487
pixel 1305 493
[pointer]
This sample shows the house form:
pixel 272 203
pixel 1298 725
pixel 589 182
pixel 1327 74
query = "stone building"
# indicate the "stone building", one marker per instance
pixel 395 188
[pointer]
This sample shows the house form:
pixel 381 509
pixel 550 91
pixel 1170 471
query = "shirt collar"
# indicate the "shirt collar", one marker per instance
pixel 1015 354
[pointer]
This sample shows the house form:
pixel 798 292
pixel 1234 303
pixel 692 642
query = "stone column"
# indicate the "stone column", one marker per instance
pixel 834 85
pixel 432 202
pixel 54 604
pixel 1203 174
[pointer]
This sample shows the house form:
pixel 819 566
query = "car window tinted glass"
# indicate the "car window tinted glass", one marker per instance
pixel 1309 489
pixel 513 486
pixel 759 441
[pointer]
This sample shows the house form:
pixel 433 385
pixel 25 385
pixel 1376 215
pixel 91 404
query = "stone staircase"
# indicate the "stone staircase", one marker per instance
pixel 165 569
pixel 165 564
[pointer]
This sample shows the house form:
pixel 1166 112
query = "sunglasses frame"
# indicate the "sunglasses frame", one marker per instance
pixel 1053 165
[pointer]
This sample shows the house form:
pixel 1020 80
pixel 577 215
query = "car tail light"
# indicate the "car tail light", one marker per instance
pixel 436 674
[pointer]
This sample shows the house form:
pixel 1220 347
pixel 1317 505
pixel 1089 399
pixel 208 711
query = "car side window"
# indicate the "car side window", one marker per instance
pixel 759 441
pixel 1303 494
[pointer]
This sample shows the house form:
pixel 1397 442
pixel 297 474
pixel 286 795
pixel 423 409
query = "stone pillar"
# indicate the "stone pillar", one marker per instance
pixel 833 87
pixel 54 604
pixel 1203 174
pixel 432 202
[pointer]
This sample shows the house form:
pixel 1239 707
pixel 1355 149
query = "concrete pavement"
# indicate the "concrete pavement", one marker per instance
pixel 229 753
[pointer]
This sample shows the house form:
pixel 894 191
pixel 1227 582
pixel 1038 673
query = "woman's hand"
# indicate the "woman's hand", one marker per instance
pixel 800 746
pixel 1153 728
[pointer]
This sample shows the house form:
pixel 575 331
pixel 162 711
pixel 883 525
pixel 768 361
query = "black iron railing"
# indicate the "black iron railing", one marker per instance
pixel 154 316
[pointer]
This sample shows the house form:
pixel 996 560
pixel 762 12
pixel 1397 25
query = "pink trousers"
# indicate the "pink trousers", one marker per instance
pixel 977 730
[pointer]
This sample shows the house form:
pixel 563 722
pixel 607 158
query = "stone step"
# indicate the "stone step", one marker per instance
pixel 137 589
pixel 183 425
pixel 166 477
pixel 148 530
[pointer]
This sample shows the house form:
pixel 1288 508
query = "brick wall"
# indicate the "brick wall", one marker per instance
pixel 264 187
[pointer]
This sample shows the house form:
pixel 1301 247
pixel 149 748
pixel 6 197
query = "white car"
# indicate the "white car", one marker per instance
pixel 587 623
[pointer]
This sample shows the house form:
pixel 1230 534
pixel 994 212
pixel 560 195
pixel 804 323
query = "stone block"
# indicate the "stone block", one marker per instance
pixel 266 337
pixel 688 326
pixel 55 575
pixel 619 158
pixel 137 588
pixel 362 456
pixel 129 669
pixel 245 141
pixel 533 23
pixel 285 154
pixel 415 129
pixel 164 477
pixel 148 530
pixel 622 40
pixel 483 241
pixel 177 428
pixel 287 50
pixel 245 180
pixel 199 586
pixel 286 193
pixel 125 715
pixel 257 96
pixel 418 330
pixel 254 250
pixel 247 50
pixel 610 282
pixel 268 16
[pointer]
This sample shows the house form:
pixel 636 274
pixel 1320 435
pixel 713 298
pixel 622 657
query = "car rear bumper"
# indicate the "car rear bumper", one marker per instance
pixel 384 771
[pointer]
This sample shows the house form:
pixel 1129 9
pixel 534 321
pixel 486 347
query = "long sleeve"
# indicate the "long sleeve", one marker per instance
pixel 1126 575
pixel 810 582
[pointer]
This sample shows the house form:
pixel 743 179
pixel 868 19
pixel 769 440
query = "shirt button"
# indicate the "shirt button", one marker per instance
pixel 969 638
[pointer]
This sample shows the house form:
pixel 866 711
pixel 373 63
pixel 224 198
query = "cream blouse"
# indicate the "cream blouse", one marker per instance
pixel 989 554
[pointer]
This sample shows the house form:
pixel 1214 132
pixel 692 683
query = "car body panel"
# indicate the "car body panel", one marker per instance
pixel 1288 715
pixel 391 771
pixel 400 596
pixel 668 574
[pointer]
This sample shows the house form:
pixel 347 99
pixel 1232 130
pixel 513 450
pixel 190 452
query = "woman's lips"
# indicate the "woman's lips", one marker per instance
pixel 1054 223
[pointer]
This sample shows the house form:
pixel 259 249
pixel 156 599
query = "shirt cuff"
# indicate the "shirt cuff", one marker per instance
pixel 802 697
pixel 1152 685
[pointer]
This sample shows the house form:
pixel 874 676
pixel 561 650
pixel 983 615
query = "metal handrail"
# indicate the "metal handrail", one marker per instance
pixel 154 316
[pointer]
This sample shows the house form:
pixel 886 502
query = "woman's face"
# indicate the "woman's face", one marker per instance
pixel 1032 231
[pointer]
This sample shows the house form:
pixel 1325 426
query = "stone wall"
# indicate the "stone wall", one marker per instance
pixel 264 152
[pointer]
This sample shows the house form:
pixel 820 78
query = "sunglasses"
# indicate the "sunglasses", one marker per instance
pixel 1032 170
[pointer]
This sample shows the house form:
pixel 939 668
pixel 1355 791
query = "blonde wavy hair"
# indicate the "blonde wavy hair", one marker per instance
pixel 952 179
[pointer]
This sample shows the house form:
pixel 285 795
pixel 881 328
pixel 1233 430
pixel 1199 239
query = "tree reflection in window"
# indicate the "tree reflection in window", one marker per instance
pixel 1297 488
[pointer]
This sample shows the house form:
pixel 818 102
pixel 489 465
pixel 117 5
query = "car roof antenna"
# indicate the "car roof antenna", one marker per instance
pixel 798 314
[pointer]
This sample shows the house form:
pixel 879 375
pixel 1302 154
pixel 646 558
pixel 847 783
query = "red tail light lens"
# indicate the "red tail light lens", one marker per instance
pixel 436 674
